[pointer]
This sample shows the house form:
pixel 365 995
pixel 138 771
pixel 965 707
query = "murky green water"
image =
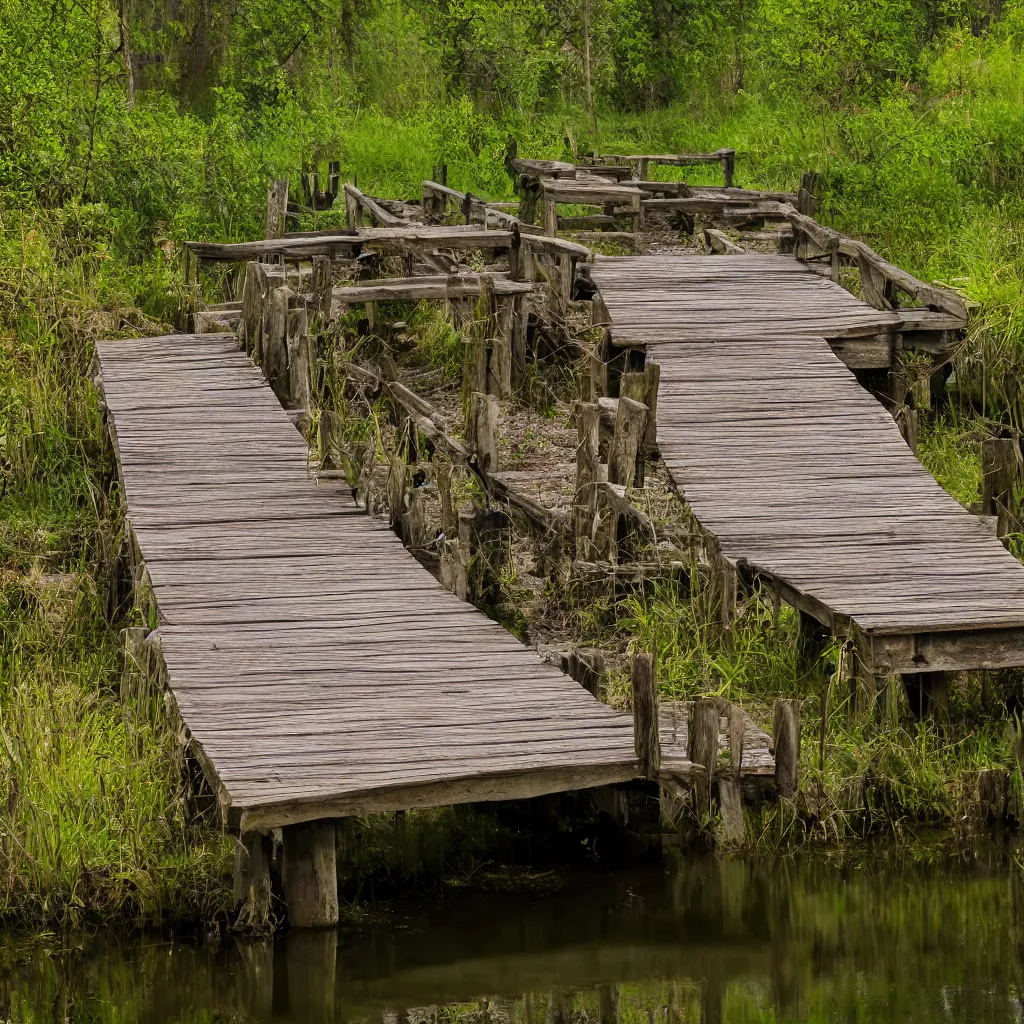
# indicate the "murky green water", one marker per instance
pixel 699 942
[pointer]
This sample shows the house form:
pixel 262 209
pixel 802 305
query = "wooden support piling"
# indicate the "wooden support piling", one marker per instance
pixel 1000 469
pixel 702 748
pixel 730 788
pixel 483 431
pixel 250 325
pixel 252 882
pixel 310 874
pixel 646 739
pixel 300 360
pixel 630 426
pixel 277 208
pixel 321 288
pixel 786 740
pixel 550 217
pixel 588 473
pixel 274 355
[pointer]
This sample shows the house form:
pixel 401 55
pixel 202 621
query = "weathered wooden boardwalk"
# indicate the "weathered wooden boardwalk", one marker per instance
pixel 799 473
pixel 320 670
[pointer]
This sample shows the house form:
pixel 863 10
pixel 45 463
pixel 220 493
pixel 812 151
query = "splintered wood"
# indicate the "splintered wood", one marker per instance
pixel 320 669
pixel 799 473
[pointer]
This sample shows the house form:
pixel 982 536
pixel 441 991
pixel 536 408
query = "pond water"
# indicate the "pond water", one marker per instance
pixel 691 941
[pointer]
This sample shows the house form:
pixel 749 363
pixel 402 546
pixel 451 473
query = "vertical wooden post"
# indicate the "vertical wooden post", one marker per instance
pixel 500 363
pixel 483 412
pixel 630 425
pixel 653 374
pixel 300 361
pixel 310 875
pixel 321 286
pixel 252 882
pixel 588 463
pixel 811 639
pixel 646 739
pixel 999 472
pixel 728 165
pixel 702 748
pixel 520 326
pixel 353 211
pixel 643 169
pixel 277 208
pixel 333 179
pixel 274 357
pixel 786 740
pixel 600 355
pixel 249 328
pixel 550 217
pixel 730 787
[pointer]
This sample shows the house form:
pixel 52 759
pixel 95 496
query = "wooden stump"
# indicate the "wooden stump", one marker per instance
pixel 786 740
pixel 252 882
pixel 702 748
pixel 588 465
pixel 310 875
pixel 321 285
pixel 251 322
pixel 730 788
pixel 483 431
pixel 1000 460
pixel 550 218
pixel 630 425
pixel 277 208
pixel 274 357
pixel 646 739
pixel 300 361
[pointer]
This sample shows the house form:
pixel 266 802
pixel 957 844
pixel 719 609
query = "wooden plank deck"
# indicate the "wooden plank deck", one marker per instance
pixel 320 670
pixel 799 473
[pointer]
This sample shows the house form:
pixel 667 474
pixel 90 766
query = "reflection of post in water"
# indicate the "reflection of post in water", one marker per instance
pixel 256 978
pixel 608 1004
pixel 312 956
pixel 559 1007
pixel 711 995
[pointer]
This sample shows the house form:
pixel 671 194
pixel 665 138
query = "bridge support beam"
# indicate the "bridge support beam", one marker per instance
pixel 310 874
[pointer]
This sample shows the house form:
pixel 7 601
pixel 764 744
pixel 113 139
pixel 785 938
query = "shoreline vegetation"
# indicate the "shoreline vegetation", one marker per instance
pixel 108 162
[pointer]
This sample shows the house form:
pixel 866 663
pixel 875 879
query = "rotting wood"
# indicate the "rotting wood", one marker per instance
pixel 252 883
pixel 588 473
pixel 786 744
pixel 719 242
pixel 630 427
pixel 277 207
pixel 310 876
pixel 483 430
pixel 1000 470
pixel 730 789
pixel 702 749
pixel 644 690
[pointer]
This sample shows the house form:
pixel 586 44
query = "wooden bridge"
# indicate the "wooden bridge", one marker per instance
pixel 320 671
pixel 798 473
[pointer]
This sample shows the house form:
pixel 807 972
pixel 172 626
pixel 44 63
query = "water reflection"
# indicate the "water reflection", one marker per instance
pixel 704 942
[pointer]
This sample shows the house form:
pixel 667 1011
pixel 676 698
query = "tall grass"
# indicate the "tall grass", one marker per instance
pixel 95 806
